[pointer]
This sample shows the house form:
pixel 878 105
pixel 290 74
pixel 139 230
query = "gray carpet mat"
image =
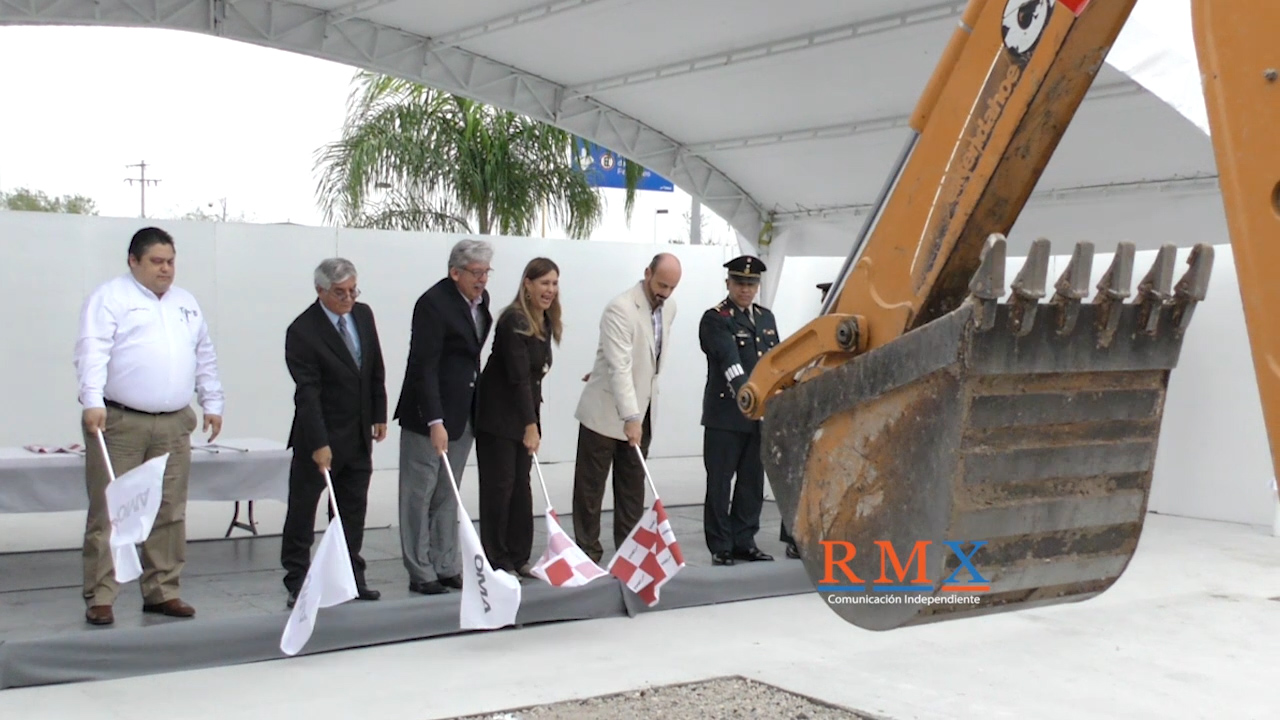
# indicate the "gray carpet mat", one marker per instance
pixel 235 585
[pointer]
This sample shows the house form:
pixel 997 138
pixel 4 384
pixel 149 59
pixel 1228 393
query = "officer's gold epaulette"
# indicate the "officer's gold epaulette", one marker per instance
pixel 721 307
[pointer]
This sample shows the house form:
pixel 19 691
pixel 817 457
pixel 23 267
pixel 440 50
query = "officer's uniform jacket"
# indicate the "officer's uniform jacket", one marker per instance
pixel 733 345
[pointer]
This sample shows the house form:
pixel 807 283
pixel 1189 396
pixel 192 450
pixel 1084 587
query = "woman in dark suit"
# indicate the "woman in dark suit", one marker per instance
pixel 508 415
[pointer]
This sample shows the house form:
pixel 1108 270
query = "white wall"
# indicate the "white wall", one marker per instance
pixel 253 280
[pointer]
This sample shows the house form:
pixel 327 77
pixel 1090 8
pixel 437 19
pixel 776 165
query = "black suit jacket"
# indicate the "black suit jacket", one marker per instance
pixel 510 393
pixel 444 361
pixel 335 403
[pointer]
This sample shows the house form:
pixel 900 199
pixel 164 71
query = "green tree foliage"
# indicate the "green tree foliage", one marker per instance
pixel 416 158
pixel 37 201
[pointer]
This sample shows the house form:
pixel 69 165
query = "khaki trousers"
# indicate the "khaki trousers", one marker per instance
pixel 133 438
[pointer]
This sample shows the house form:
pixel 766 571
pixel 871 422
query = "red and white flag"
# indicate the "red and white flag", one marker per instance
pixel 563 564
pixel 650 556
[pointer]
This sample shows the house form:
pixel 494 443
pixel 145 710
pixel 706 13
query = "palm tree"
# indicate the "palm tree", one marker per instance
pixel 416 158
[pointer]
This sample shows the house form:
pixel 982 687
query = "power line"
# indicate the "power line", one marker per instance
pixel 142 181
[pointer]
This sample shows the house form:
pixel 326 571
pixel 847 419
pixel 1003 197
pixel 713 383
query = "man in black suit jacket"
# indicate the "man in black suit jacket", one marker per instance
pixel 340 408
pixel 437 412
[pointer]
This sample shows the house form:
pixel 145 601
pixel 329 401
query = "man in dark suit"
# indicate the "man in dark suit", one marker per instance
pixel 340 409
pixel 437 415
pixel 734 335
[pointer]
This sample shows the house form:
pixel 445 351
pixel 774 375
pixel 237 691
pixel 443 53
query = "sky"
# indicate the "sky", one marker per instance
pixel 214 119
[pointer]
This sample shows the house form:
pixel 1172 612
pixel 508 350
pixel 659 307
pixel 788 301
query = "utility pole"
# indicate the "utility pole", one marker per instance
pixel 142 181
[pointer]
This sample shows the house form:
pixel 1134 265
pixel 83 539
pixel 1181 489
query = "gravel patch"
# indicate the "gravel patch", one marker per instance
pixel 732 698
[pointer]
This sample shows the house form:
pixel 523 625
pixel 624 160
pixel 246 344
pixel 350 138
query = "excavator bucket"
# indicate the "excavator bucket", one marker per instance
pixel 997 458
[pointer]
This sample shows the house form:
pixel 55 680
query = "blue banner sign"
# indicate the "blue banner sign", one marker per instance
pixel 607 169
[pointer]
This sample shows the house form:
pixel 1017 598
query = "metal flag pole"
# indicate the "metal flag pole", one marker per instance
pixel 102 443
pixel 647 476
pixel 452 483
pixel 333 502
pixel 541 480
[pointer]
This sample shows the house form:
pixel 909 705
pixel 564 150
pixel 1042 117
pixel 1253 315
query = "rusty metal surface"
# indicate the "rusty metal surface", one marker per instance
pixel 1036 442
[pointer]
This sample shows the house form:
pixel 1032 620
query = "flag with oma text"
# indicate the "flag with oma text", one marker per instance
pixel 133 499
pixel 490 598
pixel 650 556
pixel 330 581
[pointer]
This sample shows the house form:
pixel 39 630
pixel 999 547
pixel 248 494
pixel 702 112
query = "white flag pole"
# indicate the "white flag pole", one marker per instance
pixel 542 481
pixel 102 443
pixel 453 485
pixel 328 482
pixel 646 471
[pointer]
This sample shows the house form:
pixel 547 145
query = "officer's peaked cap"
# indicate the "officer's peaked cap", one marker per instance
pixel 745 268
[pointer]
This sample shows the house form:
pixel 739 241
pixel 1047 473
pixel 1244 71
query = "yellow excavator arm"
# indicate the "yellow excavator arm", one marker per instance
pixel 927 441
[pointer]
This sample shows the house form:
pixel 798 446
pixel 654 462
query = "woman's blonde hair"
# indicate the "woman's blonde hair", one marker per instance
pixel 523 304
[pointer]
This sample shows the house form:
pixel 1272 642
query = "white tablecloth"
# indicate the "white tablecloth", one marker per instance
pixel 32 482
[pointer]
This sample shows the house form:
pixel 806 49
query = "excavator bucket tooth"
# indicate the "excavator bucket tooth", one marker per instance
pixel 967 467
pixel 1193 286
pixel 1072 287
pixel 1113 288
pixel 987 286
pixel 1156 289
pixel 1028 288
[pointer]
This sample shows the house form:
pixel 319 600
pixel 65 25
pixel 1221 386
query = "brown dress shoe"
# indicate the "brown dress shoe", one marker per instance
pixel 99 615
pixel 172 608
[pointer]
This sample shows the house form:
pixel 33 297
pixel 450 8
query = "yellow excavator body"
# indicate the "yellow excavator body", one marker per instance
pixel 940 451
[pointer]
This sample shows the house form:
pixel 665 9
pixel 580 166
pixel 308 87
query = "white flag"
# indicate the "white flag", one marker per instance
pixel 490 598
pixel 330 581
pixel 133 499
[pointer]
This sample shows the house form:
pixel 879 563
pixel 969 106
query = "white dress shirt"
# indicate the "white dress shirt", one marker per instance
pixel 657 331
pixel 146 352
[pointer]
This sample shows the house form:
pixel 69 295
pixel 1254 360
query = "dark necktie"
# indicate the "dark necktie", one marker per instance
pixel 346 339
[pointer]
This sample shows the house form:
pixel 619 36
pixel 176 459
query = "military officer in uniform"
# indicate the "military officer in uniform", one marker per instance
pixel 734 335
pixel 783 535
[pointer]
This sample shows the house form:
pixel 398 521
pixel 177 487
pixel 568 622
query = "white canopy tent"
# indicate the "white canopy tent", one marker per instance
pixel 783 118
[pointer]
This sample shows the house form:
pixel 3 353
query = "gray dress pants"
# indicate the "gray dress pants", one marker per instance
pixel 428 508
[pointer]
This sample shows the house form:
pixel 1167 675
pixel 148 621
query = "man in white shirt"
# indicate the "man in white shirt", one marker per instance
pixel 143 348
pixel 616 410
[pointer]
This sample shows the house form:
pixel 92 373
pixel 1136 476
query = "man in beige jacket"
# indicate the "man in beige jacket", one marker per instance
pixel 616 410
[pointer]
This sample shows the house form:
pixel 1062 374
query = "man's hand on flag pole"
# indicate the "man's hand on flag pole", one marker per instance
pixel 330 581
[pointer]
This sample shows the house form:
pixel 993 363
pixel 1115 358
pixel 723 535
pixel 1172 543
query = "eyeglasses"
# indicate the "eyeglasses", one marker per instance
pixel 345 294
pixel 478 274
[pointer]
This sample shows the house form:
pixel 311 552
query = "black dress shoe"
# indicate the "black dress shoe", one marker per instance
pixel 752 555
pixel 793 552
pixel 453 581
pixel 431 587
pixel 721 558
pixel 365 593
